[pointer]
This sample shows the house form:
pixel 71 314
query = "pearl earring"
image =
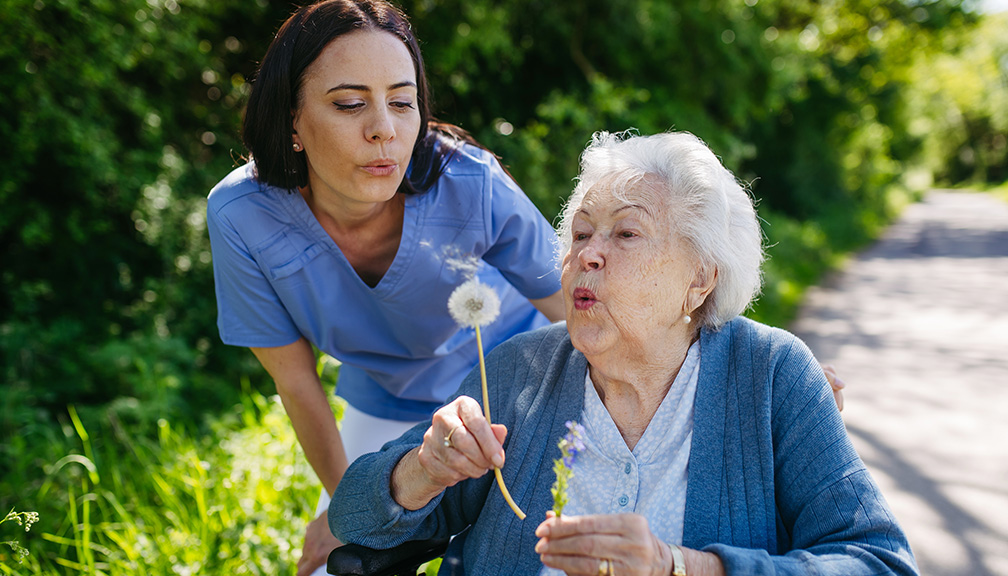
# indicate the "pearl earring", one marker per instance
pixel 297 147
pixel 686 319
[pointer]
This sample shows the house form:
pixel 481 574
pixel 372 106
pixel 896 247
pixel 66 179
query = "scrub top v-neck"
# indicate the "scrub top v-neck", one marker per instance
pixel 279 276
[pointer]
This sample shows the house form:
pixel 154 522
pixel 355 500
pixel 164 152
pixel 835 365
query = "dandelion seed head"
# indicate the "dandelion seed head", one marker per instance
pixel 474 304
pixel 456 261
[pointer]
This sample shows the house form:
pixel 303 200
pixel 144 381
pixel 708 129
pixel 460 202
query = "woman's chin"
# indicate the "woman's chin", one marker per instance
pixel 590 340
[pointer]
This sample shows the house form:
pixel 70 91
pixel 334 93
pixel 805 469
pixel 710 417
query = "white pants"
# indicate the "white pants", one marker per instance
pixel 362 433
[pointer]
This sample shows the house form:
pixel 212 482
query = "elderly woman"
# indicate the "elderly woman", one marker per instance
pixel 712 442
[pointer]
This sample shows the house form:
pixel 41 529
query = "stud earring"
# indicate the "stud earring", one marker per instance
pixel 297 147
pixel 686 319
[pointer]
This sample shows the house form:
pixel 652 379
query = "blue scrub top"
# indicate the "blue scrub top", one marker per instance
pixel 279 276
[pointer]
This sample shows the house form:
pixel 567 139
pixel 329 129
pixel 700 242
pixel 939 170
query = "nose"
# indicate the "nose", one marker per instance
pixel 381 129
pixel 592 255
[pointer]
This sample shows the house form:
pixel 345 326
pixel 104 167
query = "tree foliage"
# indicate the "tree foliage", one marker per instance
pixel 960 105
pixel 118 116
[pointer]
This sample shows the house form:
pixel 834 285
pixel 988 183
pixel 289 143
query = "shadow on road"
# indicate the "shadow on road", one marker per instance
pixel 917 325
pixel 955 519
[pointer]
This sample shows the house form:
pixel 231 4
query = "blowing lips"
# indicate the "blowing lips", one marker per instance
pixel 381 167
pixel 583 298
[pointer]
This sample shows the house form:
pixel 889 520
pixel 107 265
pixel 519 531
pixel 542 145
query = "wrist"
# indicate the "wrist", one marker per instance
pixel 410 485
pixel 665 564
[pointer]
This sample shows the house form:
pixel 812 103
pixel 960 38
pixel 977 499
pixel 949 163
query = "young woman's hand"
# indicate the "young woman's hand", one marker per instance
pixel 835 383
pixel 319 542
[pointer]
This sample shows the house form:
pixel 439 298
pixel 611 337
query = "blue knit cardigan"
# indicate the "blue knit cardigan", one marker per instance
pixel 775 485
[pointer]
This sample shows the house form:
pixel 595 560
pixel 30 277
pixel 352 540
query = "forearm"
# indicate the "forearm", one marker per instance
pixel 551 306
pixel 316 430
pixel 293 370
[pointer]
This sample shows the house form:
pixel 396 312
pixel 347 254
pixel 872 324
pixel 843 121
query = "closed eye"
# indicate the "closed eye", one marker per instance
pixel 348 107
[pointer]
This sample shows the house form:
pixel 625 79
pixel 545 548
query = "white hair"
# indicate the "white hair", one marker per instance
pixel 711 211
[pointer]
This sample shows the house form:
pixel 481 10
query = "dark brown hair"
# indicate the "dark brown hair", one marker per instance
pixel 266 128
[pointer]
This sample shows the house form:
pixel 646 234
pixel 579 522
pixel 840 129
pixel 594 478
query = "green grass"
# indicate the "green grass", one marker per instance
pixel 1001 191
pixel 230 498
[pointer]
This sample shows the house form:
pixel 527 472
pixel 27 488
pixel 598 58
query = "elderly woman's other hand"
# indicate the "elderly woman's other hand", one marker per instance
pixel 835 383
pixel 459 444
pixel 613 545
pixel 602 544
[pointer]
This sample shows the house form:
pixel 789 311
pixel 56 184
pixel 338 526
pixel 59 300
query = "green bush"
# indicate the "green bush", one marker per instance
pixel 120 115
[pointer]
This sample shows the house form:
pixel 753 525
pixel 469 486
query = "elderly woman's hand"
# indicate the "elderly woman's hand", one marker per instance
pixel 459 444
pixel 617 544
pixel 614 545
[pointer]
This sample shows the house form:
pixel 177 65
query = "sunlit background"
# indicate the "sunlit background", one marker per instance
pixel 147 446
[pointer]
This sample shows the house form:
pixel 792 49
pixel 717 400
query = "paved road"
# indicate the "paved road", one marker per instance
pixel 918 327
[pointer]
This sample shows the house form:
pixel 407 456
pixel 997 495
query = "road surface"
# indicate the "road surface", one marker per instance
pixel 917 325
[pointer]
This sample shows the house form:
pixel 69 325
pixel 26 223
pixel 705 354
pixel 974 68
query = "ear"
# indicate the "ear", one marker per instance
pixel 703 284
pixel 294 130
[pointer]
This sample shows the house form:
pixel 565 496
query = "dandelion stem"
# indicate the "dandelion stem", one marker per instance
pixel 483 378
pixel 486 412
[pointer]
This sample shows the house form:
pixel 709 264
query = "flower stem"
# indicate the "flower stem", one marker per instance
pixel 486 412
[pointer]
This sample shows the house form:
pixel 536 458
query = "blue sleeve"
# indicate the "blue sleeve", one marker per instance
pixel 828 505
pixel 362 510
pixel 521 241
pixel 249 312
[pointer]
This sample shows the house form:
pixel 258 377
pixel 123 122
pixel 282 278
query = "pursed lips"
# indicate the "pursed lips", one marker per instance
pixel 583 298
pixel 381 167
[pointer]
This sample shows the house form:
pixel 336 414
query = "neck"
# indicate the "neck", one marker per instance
pixel 334 212
pixel 632 384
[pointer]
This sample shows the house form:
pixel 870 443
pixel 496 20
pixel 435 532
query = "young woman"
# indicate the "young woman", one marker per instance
pixel 353 222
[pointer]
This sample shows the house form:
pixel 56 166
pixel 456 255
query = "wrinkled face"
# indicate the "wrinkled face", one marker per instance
pixel 626 277
pixel 357 117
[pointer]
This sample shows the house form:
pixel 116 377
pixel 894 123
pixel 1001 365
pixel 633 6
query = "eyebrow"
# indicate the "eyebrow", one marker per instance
pixel 640 207
pixel 587 212
pixel 363 88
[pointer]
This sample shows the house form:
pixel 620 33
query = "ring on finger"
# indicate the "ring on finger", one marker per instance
pixel 448 440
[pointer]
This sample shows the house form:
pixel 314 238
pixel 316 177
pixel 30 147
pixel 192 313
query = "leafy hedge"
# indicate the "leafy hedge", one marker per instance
pixel 118 116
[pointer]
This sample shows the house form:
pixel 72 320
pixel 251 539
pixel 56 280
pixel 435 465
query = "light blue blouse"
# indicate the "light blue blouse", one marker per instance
pixel 650 480
pixel 279 276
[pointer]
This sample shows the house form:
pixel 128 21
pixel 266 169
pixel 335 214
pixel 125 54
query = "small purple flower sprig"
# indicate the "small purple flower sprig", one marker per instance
pixel 570 445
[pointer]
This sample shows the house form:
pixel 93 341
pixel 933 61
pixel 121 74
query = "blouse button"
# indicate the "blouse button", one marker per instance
pixel 627 468
pixel 623 500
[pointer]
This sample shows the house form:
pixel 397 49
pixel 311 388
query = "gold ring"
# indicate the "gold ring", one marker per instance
pixel 604 568
pixel 447 439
